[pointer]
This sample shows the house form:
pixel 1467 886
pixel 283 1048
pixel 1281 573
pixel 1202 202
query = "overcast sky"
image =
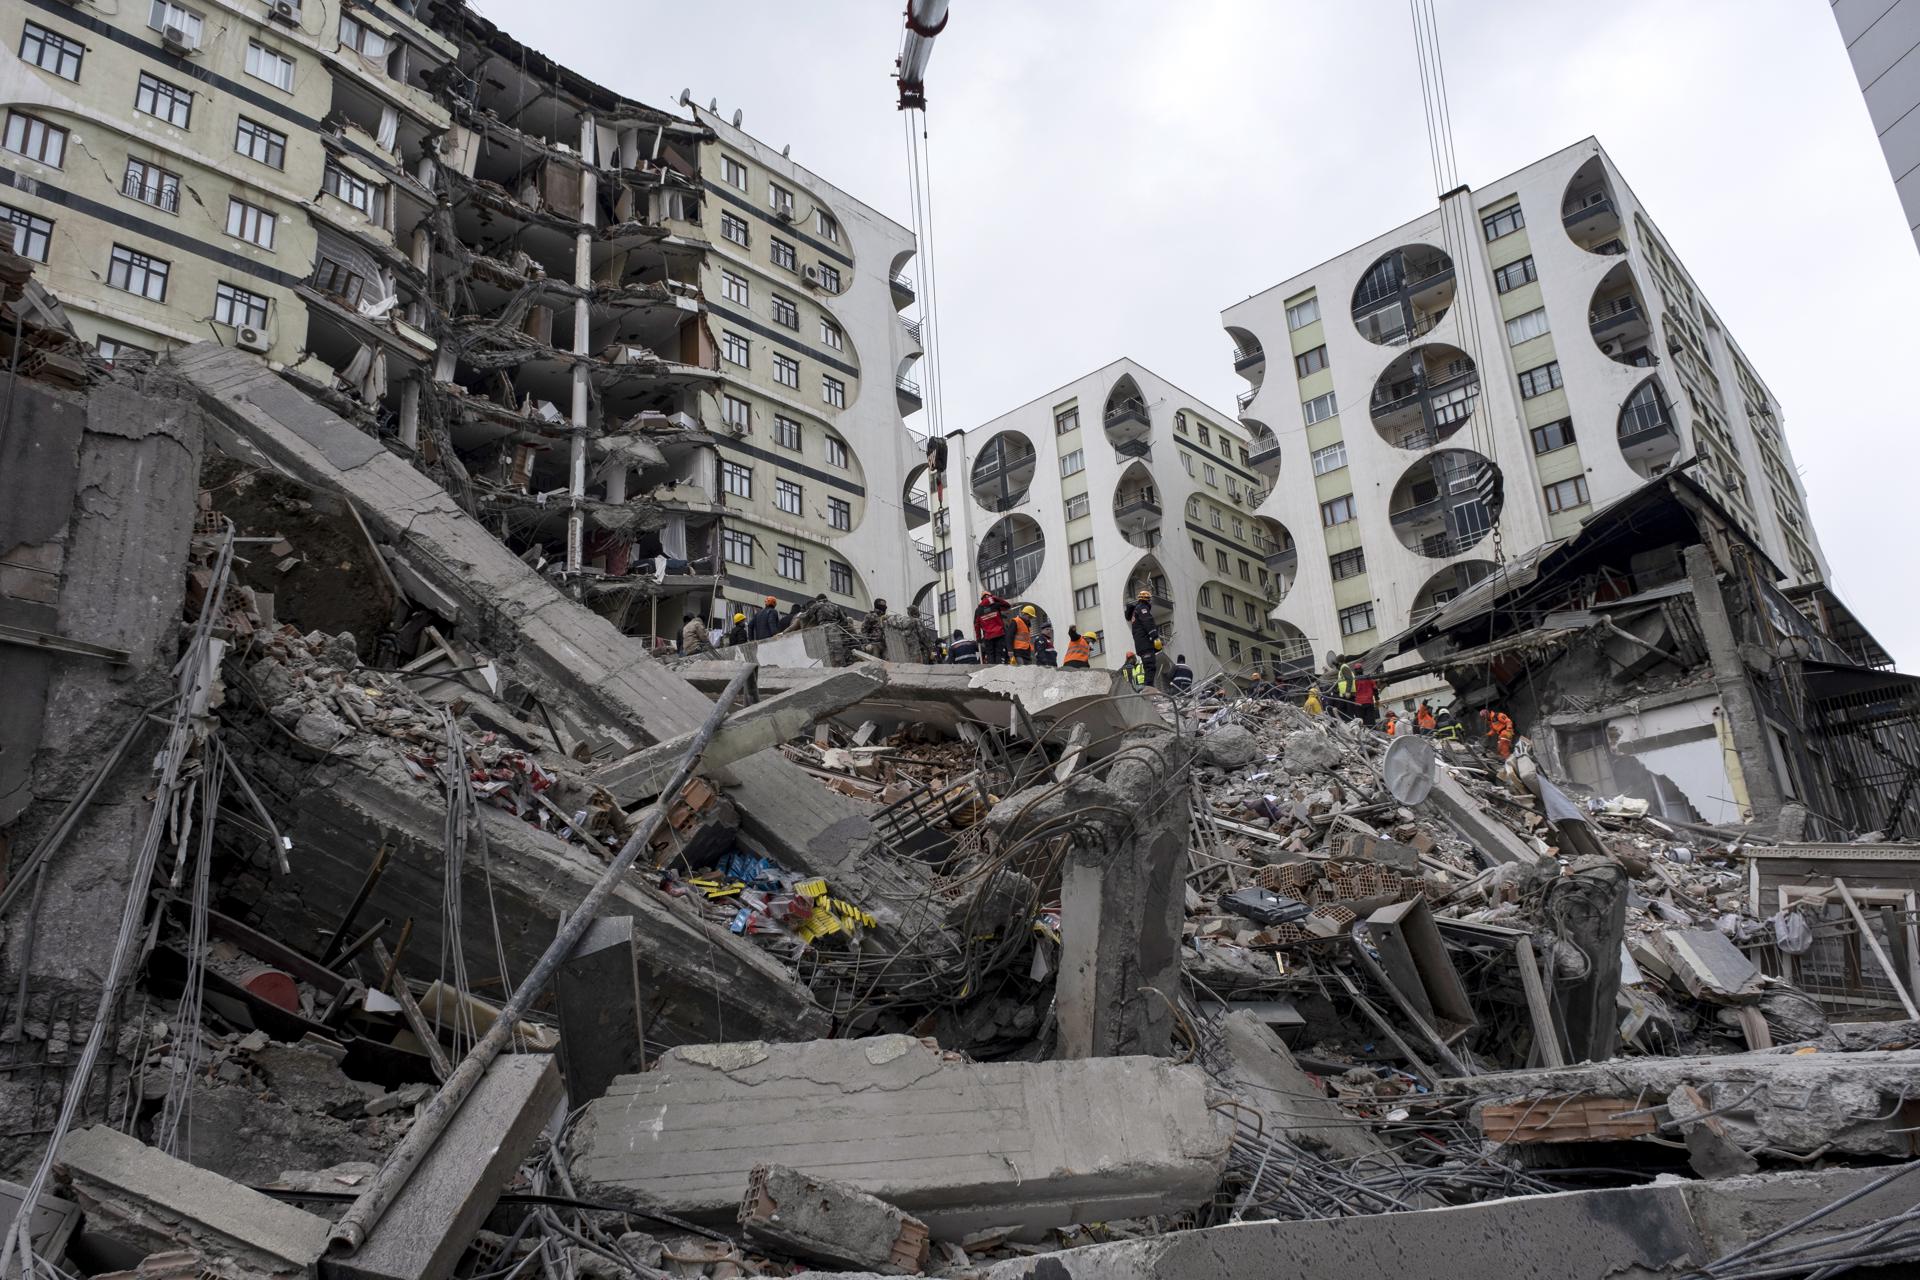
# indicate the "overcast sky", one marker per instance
pixel 1108 176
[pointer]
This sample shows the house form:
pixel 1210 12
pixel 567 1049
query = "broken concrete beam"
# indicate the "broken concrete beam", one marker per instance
pixel 764 725
pixel 1391 853
pixel 1415 956
pixel 432 1219
pixel 962 1146
pixel 155 1203
pixel 786 1211
pixel 1480 828
pixel 602 1022
pixel 1269 1081
pixel 1709 966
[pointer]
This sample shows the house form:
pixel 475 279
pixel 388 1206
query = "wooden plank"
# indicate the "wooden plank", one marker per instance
pixel 1564 1118
pixel 1546 1037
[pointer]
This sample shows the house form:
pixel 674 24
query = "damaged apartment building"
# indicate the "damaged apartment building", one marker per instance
pixel 663 361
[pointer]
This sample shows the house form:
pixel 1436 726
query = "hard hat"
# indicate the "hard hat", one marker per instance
pixel 1129 653
pixel 1030 612
pixel 1156 646
pixel 771 600
pixel 1089 635
pixel 1146 595
pixel 739 617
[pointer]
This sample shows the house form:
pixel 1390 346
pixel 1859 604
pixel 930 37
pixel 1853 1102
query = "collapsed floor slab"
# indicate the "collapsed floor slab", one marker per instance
pixel 963 1146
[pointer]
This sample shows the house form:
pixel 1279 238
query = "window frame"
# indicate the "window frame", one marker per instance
pixel 265 136
pixel 840 577
pixel 1080 552
pixel 365 197
pixel 1066 420
pixel 829 277
pixel 785 427
pixel 786 312
pixel 833 391
pixel 162 14
pixel 1296 317
pixel 789 496
pixel 27 225
pixel 786 371
pixel 53 138
pixel 1562 427
pixel 1305 359
pixel 1551 493
pixel 837 453
pixel 787 557
pixel 779 198
pixel 1352 613
pixel 229 302
pixel 167 188
pixel 831 335
pixel 1325 453
pixel 1085 507
pixel 736 411
pixel 733 172
pixel 734 288
pixel 839 514
pixel 731 222
pixel 260 57
pixel 1087 597
pixel 1313 415
pixel 827 226
pixel 327 273
pixel 736 349
pixel 1509 217
pixel 1526 378
pixel 60 45
pixel 1350 563
pixel 1503 282
pixel 781 254
pixel 149 267
pixel 366 34
pixel 1332 507
pixel 1073 463
pixel 264 221
pixel 1538 314
pixel 736 479
pixel 736 540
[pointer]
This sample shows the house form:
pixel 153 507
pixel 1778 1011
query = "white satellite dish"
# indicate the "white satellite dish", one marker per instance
pixel 1407 768
pixel 738 116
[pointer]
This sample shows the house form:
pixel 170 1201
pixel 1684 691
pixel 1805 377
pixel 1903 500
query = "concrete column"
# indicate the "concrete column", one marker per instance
pixel 615 561
pixel 582 277
pixel 1751 741
pixel 598 994
pixel 410 414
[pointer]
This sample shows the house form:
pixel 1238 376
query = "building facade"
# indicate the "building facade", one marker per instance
pixel 1115 483
pixel 1477 382
pixel 663 362
pixel 1883 43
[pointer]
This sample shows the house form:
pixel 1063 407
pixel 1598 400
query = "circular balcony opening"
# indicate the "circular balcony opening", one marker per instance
pixel 1291 652
pixel 916 498
pixel 1648 438
pixel 1263 451
pixel 1279 558
pixel 1249 360
pixel 1128 423
pixel 1003 471
pixel 1403 295
pixel 1010 556
pixel 1425 395
pixel 1619 321
pixel 1589 211
pixel 1444 585
pixel 1438 509
pixel 1136 506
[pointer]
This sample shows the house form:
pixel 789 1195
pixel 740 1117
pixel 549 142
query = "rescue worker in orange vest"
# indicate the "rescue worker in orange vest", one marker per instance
pixel 1023 636
pixel 1079 654
pixel 1499 727
pixel 1391 725
pixel 1423 718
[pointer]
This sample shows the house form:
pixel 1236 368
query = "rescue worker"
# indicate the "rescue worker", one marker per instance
pixel 1445 727
pixel 766 621
pixel 1079 650
pixel 1135 672
pixel 1182 678
pixel 1391 725
pixel 1044 654
pixel 990 628
pixel 873 630
pixel 1023 622
pixel 1364 691
pixel 1499 727
pixel 1343 682
pixel 962 651
pixel 737 633
pixel 693 637
pixel 1139 618
pixel 920 637
pixel 1423 718
pixel 1311 703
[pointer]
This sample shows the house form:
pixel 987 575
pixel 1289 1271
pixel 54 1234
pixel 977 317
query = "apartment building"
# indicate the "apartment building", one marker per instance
pixel 634 342
pixel 1478 381
pixel 1116 483
pixel 1883 43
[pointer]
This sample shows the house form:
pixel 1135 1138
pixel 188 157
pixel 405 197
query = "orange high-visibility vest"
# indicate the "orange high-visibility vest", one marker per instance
pixel 1022 634
pixel 1079 650
pixel 1423 719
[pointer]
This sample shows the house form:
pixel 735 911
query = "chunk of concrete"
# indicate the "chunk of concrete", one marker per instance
pixel 432 1220
pixel 602 1021
pixel 1365 848
pixel 1269 1081
pixel 797 1214
pixel 1709 966
pixel 147 1199
pixel 963 1146
pixel 1480 828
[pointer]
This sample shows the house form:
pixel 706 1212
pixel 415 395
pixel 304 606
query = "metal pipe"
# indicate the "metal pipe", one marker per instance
pixel 350 1232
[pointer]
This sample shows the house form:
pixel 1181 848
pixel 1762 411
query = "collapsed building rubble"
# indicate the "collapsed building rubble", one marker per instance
pixel 376 909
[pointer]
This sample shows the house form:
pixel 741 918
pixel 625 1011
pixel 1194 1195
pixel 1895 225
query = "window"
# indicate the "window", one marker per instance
pixel 1078 505
pixel 837 453
pixel 787 495
pixel 943 562
pixel 166 14
pixel 1085 598
pixel 1211 476
pixel 1503 223
pixel 1213 643
pixel 352 189
pixel 1331 458
pixel 1567 495
pixel 1199 551
pixel 1523 327
pixel 1246 574
pixel 31 234
pixel 734 228
pixel 736 478
pixel 1239 529
pixel 1539 380
pixel 839 578
pixel 785 313
pixel 786 432
pixel 1347 564
pixel 138 273
pixel 831 337
pixel 1220 559
pixel 1080 552
pixel 829 278
pixel 250 222
pixel 1206 436
pixel 150 184
pixel 825 224
pixel 1514 274
pixel 736 412
pixel 1213 517
pixel 1311 361
pixel 733 173
pixel 792 564
pixel 833 391
pixel 1073 463
pixel 786 371
pixel 1549 436
pixel 1302 314
pixel 840 513
pixel 734 347
pixel 1336 510
pixel 1066 420
pixel 1320 408
pixel 112 349
pixel 35 139
pixel 1186 460
pixel 257 142
pixel 735 546
pixel 1180 422
pixel 265 64
pixel 236 306
pixel 361 38
pixel 331 278
pixel 1356 619
pixel 780 198
pixel 51 51
pixel 733 287
pixel 782 252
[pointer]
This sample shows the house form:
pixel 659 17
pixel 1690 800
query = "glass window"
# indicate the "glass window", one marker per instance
pixel 1085 598
pixel 112 349
pixel 1213 642
pixel 1320 408
pixel 828 228
pixel 792 564
pixel 1066 420
pixel 839 578
pixel 1186 460
pixel 352 189
pixel 32 234
pixel 1331 458
pixel 833 391
pixel 1337 510
pixel 736 478
pixel 829 278
pixel 1313 361
pixel 35 139
pixel 1539 380
pixel 361 38
pixel 780 198
pixel 1078 505
pixel 733 173
pixel 831 336
pixel 1073 463
pixel 1206 436
pixel 1211 476
pixel 736 546
pixel 785 313
pixel 150 184
pixel 250 222
pixel 840 513
pixel 786 432
pixel 1213 517
pixel 1246 575
pixel 1524 327
pixel 266 64
pixel 236 306
pixel 138 273
pixel 1549 436
pixel 736 412
pixel 1080 552
pixel 1347 564
pixel 1356 619
pixel 786 371
pixel 1567 494
pixel 734 228
pixel 787 495
pixel 331 278
pixel 782 252
pixel 735 347
pixel 51 51
pixel 837 452
pixel 1505 222
pixel 257 142
pixel 1514 274
pixel 733 287
pixel 1303 313
pixel 165 13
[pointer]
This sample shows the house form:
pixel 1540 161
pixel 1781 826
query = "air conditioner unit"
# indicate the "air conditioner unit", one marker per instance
pixel 813 277
pixel 783 212
pixel 284 11
pixel 1611 348
pixel 248 338
pixel 175 40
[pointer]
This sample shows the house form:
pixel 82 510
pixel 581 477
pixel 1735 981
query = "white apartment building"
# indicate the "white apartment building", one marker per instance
pixel 1115 483
pixel 1883 43
pixel 1539 325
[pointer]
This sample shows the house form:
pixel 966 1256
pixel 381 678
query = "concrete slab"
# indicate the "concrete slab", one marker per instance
pixel 1271 1082
pixel 1473 822
pixel 602 1014
pixel 963 1146
pixel 802 1216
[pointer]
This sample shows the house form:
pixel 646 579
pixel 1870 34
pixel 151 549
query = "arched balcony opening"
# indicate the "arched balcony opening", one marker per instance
pixel 1440 506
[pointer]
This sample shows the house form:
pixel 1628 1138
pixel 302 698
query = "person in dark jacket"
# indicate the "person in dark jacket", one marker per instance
pixel 1182 677
pixel 1044 654
pixel 962 651
pixel 1140 620
pixel 766 621
pixel 737 633
pixel 990 628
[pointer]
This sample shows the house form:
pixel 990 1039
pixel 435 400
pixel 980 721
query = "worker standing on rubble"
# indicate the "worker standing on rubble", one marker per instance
pixel 1139 617
pixel 1311 703
pixel 766 621
pixel 990 628
pixel 693 637
pixel 1181 679
pixel 737 633
pixel 1391 725
pixel 1135 673
pixel 1445 727
pixel 1364 693
pixel 1343 682
pixel 1023 636
pixel 1499 726
pixel 1423 718
pixel 962 651
pixel 920 637
pixel 1079 650
pixel 873 630
pixel 1044 654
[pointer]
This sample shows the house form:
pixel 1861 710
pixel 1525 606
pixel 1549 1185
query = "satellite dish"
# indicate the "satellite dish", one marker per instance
pixel 713 104
pixel 786 151
pixel 738 116
pixel 1407 768
pixel 686 96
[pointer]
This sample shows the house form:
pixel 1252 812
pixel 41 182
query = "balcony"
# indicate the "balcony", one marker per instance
pixel 1244 399
pixel 161 195
pixel 1243 361
pixel 1636 432
pixel 1595 206
pixel 907 392
pixel 1136 511
pixel 1141 448
pixel 1159 595
pixel 1265 454
pixel 902 287
pixel 916 511
pixel 1132 411
pixel 999 573
pixel 912 328
pixel 1418 515
pixel 1282 562
pixel 1613 314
